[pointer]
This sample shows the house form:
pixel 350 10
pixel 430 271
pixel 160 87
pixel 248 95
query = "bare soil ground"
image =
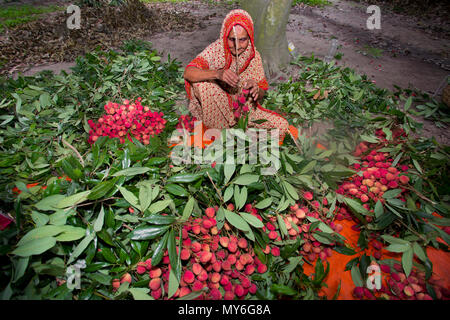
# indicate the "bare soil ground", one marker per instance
pixel 410 53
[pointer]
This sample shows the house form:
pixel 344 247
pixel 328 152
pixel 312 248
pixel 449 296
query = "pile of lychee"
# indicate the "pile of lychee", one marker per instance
pixel 378 176
pixel 220 262
pixel 397 286
pixel 186 121
pixel 127 120
pixel 298 226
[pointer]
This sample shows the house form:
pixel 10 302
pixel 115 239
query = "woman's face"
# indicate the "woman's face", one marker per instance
pixel 242 40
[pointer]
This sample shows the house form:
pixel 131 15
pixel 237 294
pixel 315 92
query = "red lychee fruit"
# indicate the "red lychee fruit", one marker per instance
pixel 184 291
pixel 262 268
pixel 273 235
pixel 224 241
pixel 116 284
pixel 308 195
pixel 155 283
pixel 275 251
pixel 156 294
pixel 239 290
pixel 242 243
pixel 185 254
pixel 215 277
pixel 141 268
pixel 232 247
pixel 155 273
pixel 188 276
pixel 205 256
pixel 210 212
pixel 125 278
pixel 216 294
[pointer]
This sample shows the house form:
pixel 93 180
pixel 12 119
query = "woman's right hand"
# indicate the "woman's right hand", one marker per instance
pixel 228 77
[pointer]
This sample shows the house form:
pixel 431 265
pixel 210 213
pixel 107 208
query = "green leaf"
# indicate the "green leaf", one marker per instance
pixel 407 261
pixel 264 203
pixel 236 220
pixel 417 166
pixel 188 209
pixel 172 250
pixel 246 179
pixel 159 206
pixel 35 247
pixel 419 252
pixel 140 294
pixel 408 104
pixel 49 203
pixel 394 240
pixel 293 263
pixel 73 199
pixel 371 138
pixel 378 209
pixel 228 171
pixel 309 167
pixel 101 189
pixel 252 220
pixel 356 276
pixel 392 193
pixel 147 232
pixel 98 224
pixel 229 191
pixel 101 278
pixel 129 172
pixel 185 178
pixel 40 232
pixel 145 196
pixel 173 283
pixel 39 218
pixel 19 268
pixel 81 247
pixel 397 159
pixel 345 250
pixel 177 190
pixel 159 220
pixel 242 198
pixel 71 233
pixel 283 289
pixel 291 190
pixel 158 253
pixel 357 209
pixel 129 197
pixel 398 247
pixel 282 225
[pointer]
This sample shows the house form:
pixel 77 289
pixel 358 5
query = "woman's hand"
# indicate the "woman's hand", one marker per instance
pixel 253 88
pixel 228 77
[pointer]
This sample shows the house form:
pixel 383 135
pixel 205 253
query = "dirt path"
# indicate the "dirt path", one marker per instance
pixel 409 55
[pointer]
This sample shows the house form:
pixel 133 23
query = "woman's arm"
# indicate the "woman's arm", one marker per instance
pixel 193 74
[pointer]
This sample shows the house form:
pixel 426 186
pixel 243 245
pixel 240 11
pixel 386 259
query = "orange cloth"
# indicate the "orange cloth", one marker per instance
pixel 439 258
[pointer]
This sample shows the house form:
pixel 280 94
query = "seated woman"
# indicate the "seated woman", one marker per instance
pixel 212 83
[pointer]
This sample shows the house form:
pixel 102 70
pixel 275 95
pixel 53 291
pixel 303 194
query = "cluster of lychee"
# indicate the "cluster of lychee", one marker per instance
pixel 378 176
pixel 240 106
pixel 186 121
pixel 217 261
pixel 400 287
pixel 127 120
pixel 297 225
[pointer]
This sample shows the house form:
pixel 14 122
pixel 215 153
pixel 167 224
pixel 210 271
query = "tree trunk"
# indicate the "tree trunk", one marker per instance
pixel 270 18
